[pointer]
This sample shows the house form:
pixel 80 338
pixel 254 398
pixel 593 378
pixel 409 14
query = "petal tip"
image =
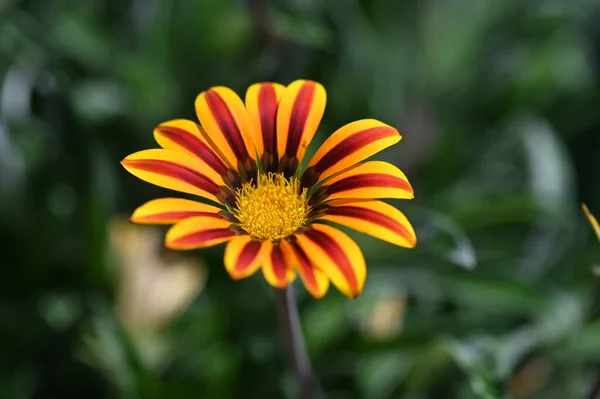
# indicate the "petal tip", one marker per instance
pixel 353 295
pixel 235 276
pixel 405 243
pixel 413 243
pixel 318 295
pixel 136 218
pixel 239 275
pixel 171 243
pixel 281 285
pixel 170 240
pixel 411 240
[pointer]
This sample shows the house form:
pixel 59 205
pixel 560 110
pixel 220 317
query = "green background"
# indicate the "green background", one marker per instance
pixel 499 106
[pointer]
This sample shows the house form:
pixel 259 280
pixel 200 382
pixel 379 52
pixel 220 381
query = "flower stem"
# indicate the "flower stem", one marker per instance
pixel 295 347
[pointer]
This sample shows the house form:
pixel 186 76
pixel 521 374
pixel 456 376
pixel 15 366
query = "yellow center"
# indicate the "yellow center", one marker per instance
pixel 273 208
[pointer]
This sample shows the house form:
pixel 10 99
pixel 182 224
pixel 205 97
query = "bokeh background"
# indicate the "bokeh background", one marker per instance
pixel 499 106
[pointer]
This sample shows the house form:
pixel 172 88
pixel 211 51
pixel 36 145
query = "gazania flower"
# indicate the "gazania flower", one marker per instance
pixel 592 219
pixel 245 159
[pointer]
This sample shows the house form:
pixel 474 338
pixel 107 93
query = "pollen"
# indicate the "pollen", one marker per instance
pixel 271 208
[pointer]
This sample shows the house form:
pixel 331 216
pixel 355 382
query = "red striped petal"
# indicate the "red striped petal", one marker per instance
pixel 300 111
pixel 278 270
pixel 375 218
pixel 349 145
pixel 176 171
pixel 262 100
pixel 337 255
pixel 244 256
pixel 315 281
pixel 172 210
pixel 199 232
pixel 223 116
pixel 186 136
pixel 374 179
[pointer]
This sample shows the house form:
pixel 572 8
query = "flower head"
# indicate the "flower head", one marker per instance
pixel 245 159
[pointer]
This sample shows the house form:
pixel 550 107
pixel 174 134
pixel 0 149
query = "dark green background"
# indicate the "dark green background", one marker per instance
pixel 499 106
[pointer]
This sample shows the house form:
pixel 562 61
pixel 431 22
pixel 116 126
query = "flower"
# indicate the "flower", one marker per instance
pixel 274 215
pixel 592 219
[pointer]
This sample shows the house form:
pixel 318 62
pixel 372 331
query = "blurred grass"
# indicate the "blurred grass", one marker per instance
pixel 497 103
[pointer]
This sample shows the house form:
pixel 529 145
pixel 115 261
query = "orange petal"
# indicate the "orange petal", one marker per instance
pixel 375 218
pixel 223 116
pixel 278 269
pixel 199 232
pixel 174 170
pixel 172 210
pixel 244 256
pixel 300 111
pixel 374 179
pixel 315 281
pixel 592 219
pixel 349 145
pixel 338 257
pixel 185 136
pixel 261 103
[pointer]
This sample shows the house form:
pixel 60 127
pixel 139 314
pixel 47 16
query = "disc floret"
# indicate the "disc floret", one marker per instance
pixel 271 208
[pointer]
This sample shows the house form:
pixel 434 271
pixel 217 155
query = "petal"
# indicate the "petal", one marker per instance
pixel 300 111
pixel 172 210
pixel 375 218
pixel 184 135
pixel 338 257
pixel 261 104
pixel 592 219
pixel 244 256
pixel 199 232
pixel 223 116
pixel 315 281
pixel 374 179
pixel 349 145
pixel 277 268
pixel 174 170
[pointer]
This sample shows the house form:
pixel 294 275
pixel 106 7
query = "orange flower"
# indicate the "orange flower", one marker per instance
pixel 245 158
pixel 592 219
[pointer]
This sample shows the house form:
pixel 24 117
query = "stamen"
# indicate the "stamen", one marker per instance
pixel 273 208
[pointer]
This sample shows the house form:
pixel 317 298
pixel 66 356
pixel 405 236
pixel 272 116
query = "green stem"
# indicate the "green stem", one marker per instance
pixel 295 346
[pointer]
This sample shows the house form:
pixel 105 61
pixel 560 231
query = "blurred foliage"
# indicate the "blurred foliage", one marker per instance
pixel 498 104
